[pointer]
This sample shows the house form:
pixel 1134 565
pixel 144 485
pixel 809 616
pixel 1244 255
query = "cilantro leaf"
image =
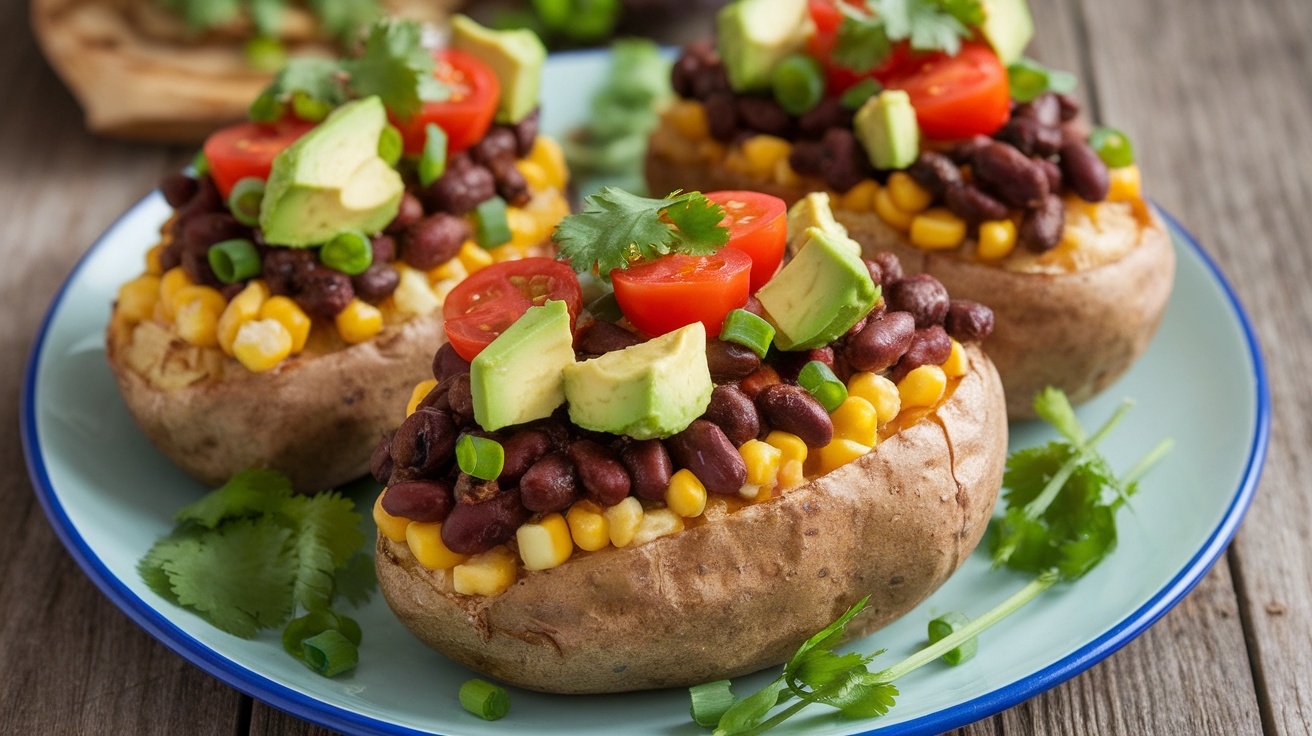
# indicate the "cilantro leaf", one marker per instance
pixel 343 18
pixel 750 711
pixel 394 66
pixel 617 228
pixel 357 579
pixel 926 23
pixel 862 43
pixel 866 698
pixel 248 493
pixel 327 535
pixel 967 12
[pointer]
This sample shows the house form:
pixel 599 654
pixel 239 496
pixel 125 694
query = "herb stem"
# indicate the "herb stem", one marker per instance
pixel 1034 509
pixel 1147 462
pixel 770 722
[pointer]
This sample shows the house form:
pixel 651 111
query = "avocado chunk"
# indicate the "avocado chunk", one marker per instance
pixel 518 376
pixel 332 180
pixel 754 35
pixel 1007 27
pixel 515 56
pixel 886 125
pixel 649 390
pixel 820 294
pixel 812 211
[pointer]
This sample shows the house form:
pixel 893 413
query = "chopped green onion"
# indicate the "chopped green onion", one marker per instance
pixel 200 163
pixel 265 54
pixel 1112 146
pixel 480 457
pixel 310 109
pixel 300 629
pixel 799 83
pixel 330 653
pixel 234 260
pixel 432 163
pixel 944 625
pixel 1028 79
pixel 390 145
pixel 349 252
pixel 820 382
pixel 710 701
pixel 748 330
pixel 245 198
pixel 266 108
pixel 491 226
pixel 485 700
pixel 857 94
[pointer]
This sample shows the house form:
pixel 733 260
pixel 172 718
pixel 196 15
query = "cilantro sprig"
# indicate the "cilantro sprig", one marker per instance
pixel 1059 522
pixel 338 18
pixel 866 39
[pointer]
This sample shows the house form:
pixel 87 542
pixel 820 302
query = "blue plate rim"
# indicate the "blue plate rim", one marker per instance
pixel 335 717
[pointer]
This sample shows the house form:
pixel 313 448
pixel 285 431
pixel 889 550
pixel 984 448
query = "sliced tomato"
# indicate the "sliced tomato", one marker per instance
pixel 758 226
pixel 827 18
pixel 672 291
pixel 466 115
pixel 482 306
pixel 955 96
pixel 248 149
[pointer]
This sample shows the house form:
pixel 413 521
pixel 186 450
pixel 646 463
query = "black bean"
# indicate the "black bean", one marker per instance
pixel 930 346
pixel 425 442
pixel 1009 175
pixel 408 213
pixel 1052 172
pixel 380 463
pixel 881 343
pixel 178 189
pixel 734 413
pixel 807 158
pixel 463 187
pixel 703 449
pixel 199 232
pixel 511 184
pixel 1030 137
pixel 791 363
pixel 419 500
pixel 682 74
pixel 963 151
pixel 792 409
pixel 754 306
pixel 474 528
pixel 376 283
pixel 206 199
pixel 601 337
pixel 522 449
pixel 923 296
pixel 968 321
pixel 845 160
pixel 551 484
pixel 828 114
pixel 1070 107
pixel 974 206
pixel 710 79
pixel 729 361
pixel 649 467
pixel 1042 227
pixel 1085 172
pixel 460 396
pixel 890 270
pixel 285 269
pixel 434 240
pixel 498 144
pixel 602 475
pixel 721 116
pixel 447 362
pixel 471 490
pixel 324 292
pixel 526 132
pixel 383 247
pixel 935 172
pixel 1045 109
pixel 197 265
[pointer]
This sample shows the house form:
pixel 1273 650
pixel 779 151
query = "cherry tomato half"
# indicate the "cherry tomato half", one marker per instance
pixel 482 306
pixel 827 18
pixel 248 149
pixel 467 114
pixel 672 291
pixel 956 96
pixel 758 226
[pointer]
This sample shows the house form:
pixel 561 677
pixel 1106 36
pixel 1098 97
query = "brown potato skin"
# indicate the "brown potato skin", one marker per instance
pixel 737 594
pixel 1077 331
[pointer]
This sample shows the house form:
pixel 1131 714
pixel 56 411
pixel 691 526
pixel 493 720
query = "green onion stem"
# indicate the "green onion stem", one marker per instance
pixel 432 162
pixel 480 457
pixel 330 653
pixel 234 260
pixel 748 330
pixel 350 252
pixel 245 199
pixel 485 700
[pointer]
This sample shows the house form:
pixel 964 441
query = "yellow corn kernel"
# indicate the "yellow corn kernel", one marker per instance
pixel 473 256
pixel 879 391
pixel 791 447
pixel 791 474
pixel 169 285
pixel 860 198
pixel 906 194
pixel 421 390
pixel 534 175
pixel 736 161
pixel 763 461
pixel 923 386
pixel 686 495
pixel 425 541
pixel 657 523
pixel 525 233
pixel 957 365
pixel 413 296
pixel 153 265
pixel 547 154
pixel 360 321
pixel 138 297
pixel 1126 184
pixel 623 519
pixel 262 344
pixel 838 453
pixel 889 212
pixel 294 320
pixel 784 174
pixel 544 544
pixel 452 269
pixel 764 152
pixel 488 573
pixel 711 151
pixel 588 526
pixel 688 118
pixel 243 308
pixel 937 229
pixel 856 419
pixel 392 527
pixel 196 311
pixel 997 238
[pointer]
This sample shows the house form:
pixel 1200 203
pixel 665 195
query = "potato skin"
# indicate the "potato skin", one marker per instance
pixel 1077 331
pixel 737 594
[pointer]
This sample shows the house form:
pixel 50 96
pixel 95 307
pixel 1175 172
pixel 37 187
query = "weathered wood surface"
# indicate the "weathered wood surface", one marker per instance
pixel 1213 93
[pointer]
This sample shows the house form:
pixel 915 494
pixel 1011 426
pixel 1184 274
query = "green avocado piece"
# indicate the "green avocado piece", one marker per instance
pixel 649 390
pixel 515 56
pixel 332 180
pixel 812 211
pixel 518 376
pixel 820 294
pixel 1007 27
pixel 886 125
pixel 754 35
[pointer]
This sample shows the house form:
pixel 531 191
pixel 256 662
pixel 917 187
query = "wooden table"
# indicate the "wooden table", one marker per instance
pixel 1215 95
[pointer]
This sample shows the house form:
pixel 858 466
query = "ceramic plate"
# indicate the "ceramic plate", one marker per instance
pixel 109 494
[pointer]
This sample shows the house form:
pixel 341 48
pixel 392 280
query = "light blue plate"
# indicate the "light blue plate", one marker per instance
pixel 109 494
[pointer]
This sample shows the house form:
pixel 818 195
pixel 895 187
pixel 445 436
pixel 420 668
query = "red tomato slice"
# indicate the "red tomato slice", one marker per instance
pixel 672 291
pixel 758 226
pixel 482 306
pixel 248 149
pixel 956 96
pixel 827 18
pixel 467 114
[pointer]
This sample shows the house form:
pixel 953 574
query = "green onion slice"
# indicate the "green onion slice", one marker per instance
pixel 820 382
pixel 310 109
pixel 857 94
pixel 432 163
pixel 349 251
pixel 491 226
pixel 748 330
pixel 330 653
pixel 710 701
pixel 300 629
pixel 390 145
pixel 485 700
pixel 1112 146
pixel 799 83
pixel 245 198
pixel 480 457
pixel 944 625
pixel 200 163
pixel 265 53
pixel 266 108
pixel 234 260
pixel 1028 79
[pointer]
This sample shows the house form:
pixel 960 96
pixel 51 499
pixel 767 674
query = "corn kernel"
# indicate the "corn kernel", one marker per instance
pixel 790 446
pixel 262 344
pixel 243 308
pixel 421 390
pixel 138 297
pixel 686 495
pixel 907 194
pixel 392 527
pixel 923 386
pixel 710 150
pixel 879 391
pixel 838 453
pixel 488 573
pixel 544 544
pixel 425 541
pixel 534 175
pixel 623 519
pixel 791 474
pixel 293 319
pixel 360 321
pixel 688 118
pixel 169 284
pixel 856 419
pixel 1126 184
pixel 588 526
pixel 763 152
pixel 154 266
pixel 547 154
pixel 785 175
pixel 736 161
pixel 997 238
pixel 937 229
pixel 413 296
pixel 957 365
pixel 525 233
pixel 860 198
pixel 889 212
pixel 196 311
pixel 657 523
pixel 763 461
pixel 473 256
pixel 452 269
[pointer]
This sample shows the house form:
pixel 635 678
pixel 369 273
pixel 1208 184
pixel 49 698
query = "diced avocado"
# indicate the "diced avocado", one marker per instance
pixel 331 180
pixel 812 211
pixel 1008 27
pixel 754 35
pixel 886 125
pixel 820 294
pixel 652 389
pixel 516 56
pixel 519 376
